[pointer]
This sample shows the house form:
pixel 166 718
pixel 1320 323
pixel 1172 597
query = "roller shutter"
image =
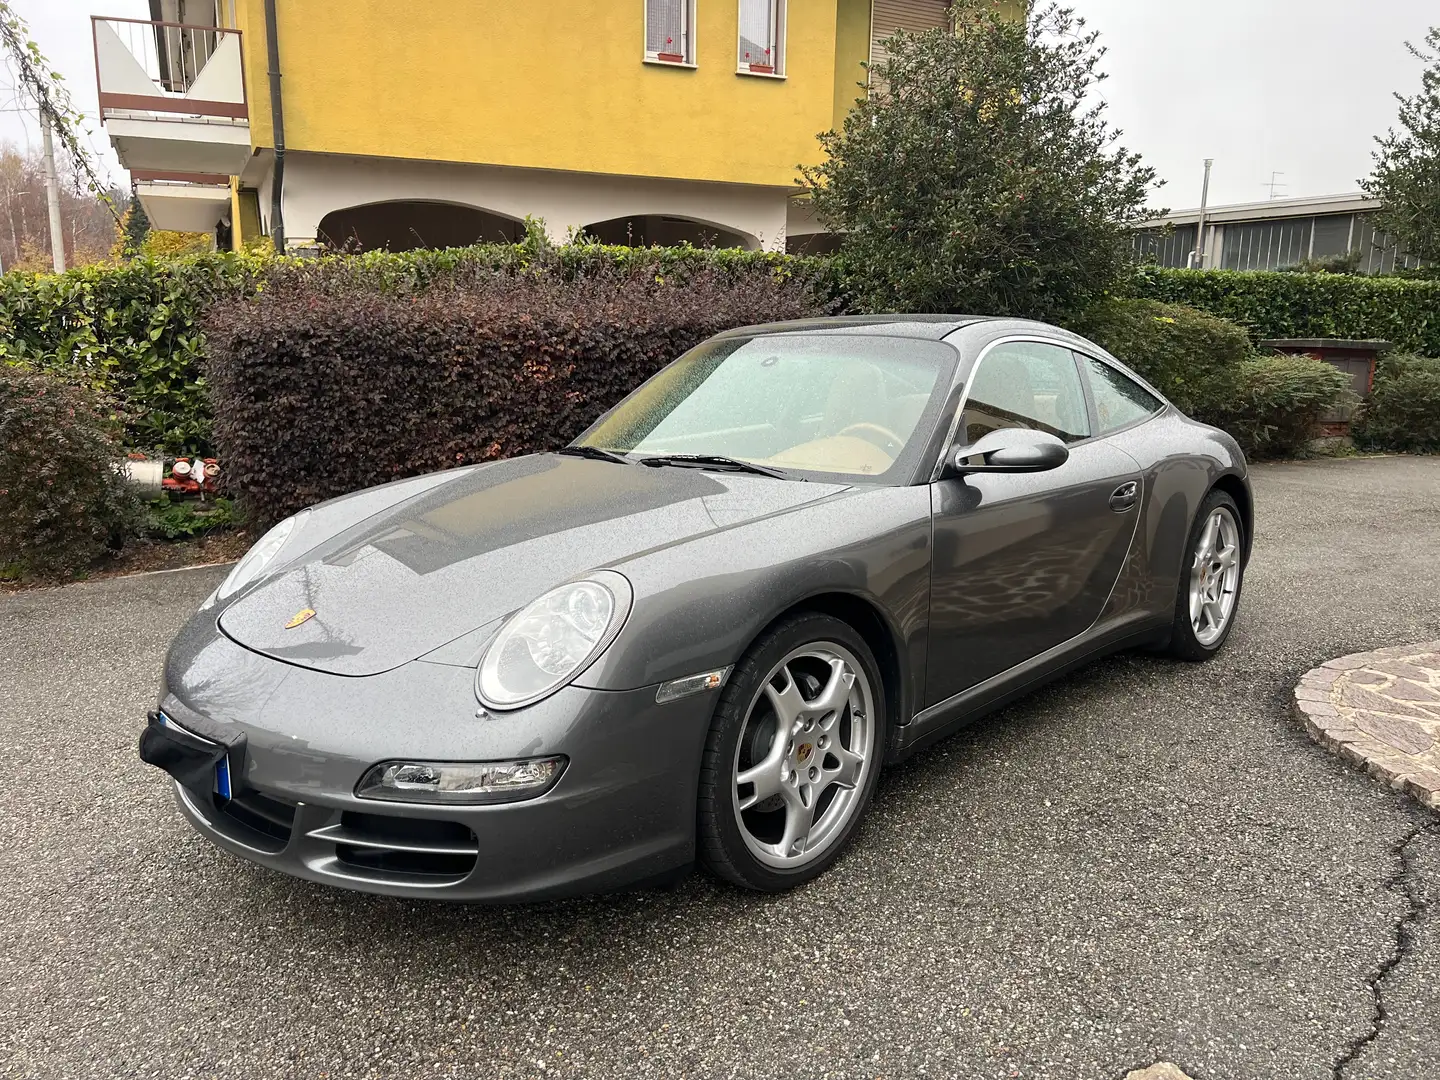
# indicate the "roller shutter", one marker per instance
pixel 914 16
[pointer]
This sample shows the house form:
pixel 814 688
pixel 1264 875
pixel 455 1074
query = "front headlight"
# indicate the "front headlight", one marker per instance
pixel 460 782
pixel 257 558
pixel 550 642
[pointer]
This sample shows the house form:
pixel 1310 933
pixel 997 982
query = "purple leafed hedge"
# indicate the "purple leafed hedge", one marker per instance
pixel 324 385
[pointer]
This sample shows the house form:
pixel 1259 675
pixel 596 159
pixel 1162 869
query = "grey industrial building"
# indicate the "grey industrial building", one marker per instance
pixel 1272 235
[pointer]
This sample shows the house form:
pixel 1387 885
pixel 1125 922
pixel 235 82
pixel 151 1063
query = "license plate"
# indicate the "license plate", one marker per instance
pixel 222 767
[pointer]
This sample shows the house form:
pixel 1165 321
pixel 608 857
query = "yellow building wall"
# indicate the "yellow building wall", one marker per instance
pixel 554 84
pixel 852 49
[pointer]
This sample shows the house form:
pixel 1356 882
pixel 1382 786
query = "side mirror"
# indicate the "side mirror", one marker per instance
pixel 1009 450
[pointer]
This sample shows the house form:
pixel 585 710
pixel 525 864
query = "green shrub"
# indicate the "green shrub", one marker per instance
pixel 1272 405
pixel 62 499
pixel 1349 263
pixel 324 384
pixel 1403 311
pixel 131 332
pixel 1181 351
pixel 1403 410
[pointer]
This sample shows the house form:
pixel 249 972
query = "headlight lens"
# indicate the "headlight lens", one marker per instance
pixel 553 640
pixel 257 558
pixel 460 782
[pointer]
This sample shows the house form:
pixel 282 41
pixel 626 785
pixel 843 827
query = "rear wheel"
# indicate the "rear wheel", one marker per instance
pixel 1209 593
pixel 793 755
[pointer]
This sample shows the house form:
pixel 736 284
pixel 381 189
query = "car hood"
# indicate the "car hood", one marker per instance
pixel 465 552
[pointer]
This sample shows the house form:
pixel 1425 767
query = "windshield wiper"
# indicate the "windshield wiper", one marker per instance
pixel 594 452
pixel 715 461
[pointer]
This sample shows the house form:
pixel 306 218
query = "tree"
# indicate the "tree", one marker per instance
pixel 24 220
pixel 980 174
pixel 1406 178
pixel 134 228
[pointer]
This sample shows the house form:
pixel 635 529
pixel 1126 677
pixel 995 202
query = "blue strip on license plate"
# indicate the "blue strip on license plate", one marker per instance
pixel 222 767
pixel 222 777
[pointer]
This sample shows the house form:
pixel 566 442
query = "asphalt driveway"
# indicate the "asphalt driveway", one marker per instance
pixel 1146 861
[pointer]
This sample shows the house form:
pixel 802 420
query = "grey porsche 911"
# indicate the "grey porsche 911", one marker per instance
pixel 798 553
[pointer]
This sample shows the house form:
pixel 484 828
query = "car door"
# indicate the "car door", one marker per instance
pixel 1024 561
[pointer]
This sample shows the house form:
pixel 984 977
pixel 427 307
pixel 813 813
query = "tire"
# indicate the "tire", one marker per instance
pixel 804 659
pixel 1189 641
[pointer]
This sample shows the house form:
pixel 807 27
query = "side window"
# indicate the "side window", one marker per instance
pixel 1119 400
pixel 762 38
pixel 1027 384
pixel 669 34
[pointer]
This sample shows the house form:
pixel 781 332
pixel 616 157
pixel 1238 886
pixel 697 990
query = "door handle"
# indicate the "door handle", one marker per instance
pixel 1123 497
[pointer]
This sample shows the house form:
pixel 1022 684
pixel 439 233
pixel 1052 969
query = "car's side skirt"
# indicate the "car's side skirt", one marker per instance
pixel 948 716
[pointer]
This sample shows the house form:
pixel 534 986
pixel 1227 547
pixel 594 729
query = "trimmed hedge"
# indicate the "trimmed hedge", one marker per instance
pixel 1178 349
pixel 1403 409
pixel 1272 405
pixel 324 385
pixel 133 332
pixel 130 332
pixel 1282 305
pixel 62 500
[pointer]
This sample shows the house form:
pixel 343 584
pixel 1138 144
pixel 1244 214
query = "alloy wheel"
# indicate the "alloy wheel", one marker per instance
pixel 1215 576
pixel 804 755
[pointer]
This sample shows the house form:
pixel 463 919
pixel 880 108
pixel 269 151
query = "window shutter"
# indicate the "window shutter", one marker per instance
pixel 665 29
pixel 912 16
pixel 757 34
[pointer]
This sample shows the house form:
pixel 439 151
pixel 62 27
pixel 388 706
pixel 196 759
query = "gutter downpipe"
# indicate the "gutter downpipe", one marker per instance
pixel 277 122
pixel 1200 245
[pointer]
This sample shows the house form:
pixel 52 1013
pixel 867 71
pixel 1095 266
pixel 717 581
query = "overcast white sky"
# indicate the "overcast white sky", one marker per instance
pixel 1298 87
pixel 62 30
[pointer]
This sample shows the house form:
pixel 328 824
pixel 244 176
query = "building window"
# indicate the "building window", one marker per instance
pixel 762 37
pixel 670 31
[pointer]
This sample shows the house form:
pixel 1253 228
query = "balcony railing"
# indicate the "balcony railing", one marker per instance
pixel 168 67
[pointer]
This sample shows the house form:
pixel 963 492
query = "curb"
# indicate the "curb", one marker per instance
pixel 1380 710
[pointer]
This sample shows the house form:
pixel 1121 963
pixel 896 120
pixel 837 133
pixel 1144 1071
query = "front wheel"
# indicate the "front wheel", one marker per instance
pixel 1210 581
pixel 793 755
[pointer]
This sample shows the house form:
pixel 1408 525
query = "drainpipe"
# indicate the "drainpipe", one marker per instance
pixel 277 122
pixel 1200 225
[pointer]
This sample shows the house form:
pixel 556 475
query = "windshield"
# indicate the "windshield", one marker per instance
pixel 829 403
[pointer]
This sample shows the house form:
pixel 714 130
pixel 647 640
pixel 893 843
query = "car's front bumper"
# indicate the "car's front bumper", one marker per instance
pixel 622 812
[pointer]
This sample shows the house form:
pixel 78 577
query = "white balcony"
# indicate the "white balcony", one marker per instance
pixel 184 202
pixel 172 95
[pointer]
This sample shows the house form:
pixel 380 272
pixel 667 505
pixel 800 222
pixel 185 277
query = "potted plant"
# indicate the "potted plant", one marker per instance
pixel 764 67
pixel 669 56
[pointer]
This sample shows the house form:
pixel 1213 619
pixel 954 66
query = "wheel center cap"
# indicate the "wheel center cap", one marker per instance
pixel 802 754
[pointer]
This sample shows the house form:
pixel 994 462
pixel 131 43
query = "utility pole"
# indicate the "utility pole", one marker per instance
pixel 1197 257
pixel 52 195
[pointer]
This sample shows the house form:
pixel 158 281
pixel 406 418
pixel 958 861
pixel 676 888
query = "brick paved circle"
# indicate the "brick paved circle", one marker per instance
pixel 1380 710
